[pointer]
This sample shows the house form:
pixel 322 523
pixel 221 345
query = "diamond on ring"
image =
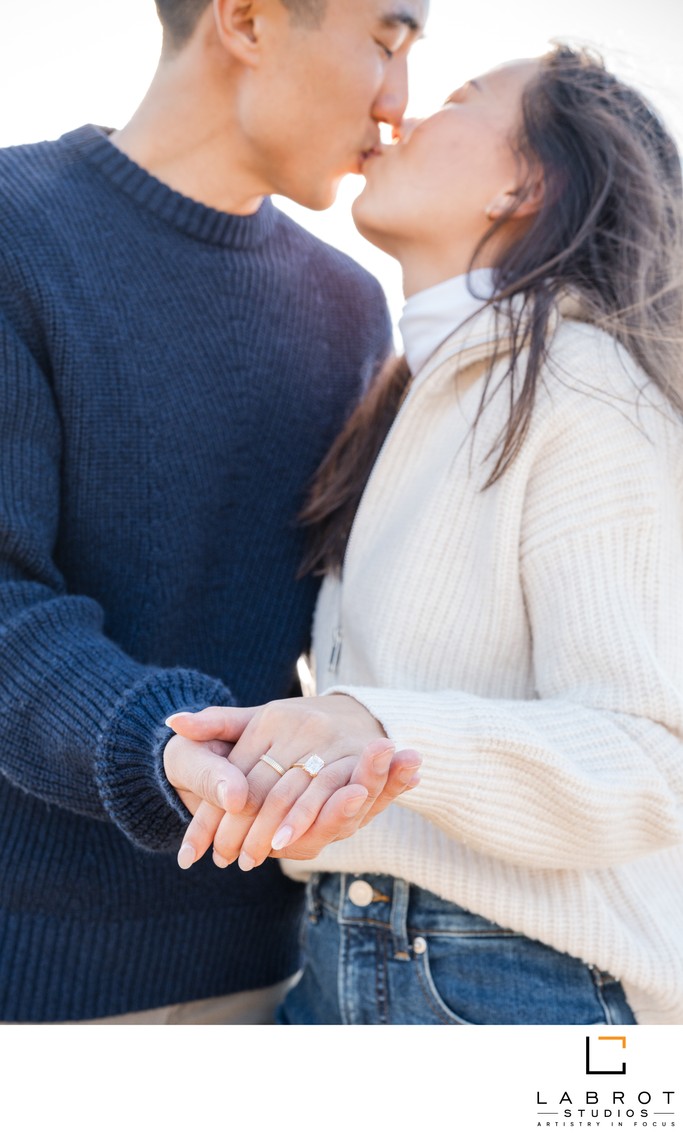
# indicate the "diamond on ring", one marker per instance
pixel 272 763
pixel 312 765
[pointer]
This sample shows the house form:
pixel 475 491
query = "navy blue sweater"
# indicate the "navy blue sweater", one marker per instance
pixel 170 377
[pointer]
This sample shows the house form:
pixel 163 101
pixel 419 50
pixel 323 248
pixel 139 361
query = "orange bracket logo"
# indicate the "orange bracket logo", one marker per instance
pixel 604 1071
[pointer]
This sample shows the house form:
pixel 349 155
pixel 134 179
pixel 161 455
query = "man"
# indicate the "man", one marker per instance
pixel 172 349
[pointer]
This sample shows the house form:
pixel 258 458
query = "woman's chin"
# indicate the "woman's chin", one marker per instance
pixel 372 227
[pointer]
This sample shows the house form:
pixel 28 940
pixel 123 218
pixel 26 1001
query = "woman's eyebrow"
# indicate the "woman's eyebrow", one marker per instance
pixel 463 90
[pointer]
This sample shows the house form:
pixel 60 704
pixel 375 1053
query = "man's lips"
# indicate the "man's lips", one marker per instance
pixel 373 152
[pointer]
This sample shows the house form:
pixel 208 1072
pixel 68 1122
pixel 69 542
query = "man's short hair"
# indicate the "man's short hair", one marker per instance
pixel 179 17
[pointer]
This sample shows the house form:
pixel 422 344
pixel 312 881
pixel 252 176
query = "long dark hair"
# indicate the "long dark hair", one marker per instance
pixel 610 228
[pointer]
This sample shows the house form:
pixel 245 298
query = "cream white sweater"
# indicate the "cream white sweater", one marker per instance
pixel 528 641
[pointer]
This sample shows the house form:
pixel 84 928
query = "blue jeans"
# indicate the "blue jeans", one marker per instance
pixel 378 951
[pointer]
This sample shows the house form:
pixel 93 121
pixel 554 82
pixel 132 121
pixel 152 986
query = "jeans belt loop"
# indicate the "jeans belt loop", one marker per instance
pixel 399 920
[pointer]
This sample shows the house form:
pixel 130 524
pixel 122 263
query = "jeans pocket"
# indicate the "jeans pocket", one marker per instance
pixel 435 1001
pixel 506 979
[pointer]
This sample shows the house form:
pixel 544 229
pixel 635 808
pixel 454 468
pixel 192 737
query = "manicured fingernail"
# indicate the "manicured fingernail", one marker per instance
pixel 186 856
pixel 408 773
pixel 245 862
pixel 414 781
pixel 353 806
pixel 174 717
pixel 223 794
pixel 382 761
pixel 281 838
pixel 220 861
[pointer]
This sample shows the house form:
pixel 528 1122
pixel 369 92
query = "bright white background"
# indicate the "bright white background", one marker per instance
pixel 66 62
pixel 307 1081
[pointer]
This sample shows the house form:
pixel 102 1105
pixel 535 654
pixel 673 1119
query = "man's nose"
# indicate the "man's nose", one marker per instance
pixel 392 98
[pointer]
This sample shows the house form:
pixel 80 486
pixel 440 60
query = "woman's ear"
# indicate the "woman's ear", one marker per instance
pixel 237 27
pixel 520 202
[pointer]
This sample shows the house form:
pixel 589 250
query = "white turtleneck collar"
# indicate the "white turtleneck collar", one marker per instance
pixel 430 316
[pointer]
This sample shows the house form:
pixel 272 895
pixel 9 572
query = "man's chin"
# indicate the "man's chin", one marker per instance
pixel 321 196
pixel 317 196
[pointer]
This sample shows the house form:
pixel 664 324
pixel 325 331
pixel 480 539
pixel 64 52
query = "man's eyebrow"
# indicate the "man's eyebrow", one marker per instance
pixel 400 17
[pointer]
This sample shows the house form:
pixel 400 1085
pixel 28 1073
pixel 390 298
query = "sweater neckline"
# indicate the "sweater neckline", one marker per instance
pixel 472 341
pixel 202 222
pixel 431 316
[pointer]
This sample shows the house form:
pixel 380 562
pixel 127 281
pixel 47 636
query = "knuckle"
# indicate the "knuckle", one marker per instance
pixel 220 748
pixel 270 712
pixel 204 783
pixel 319 723
pixel 225 844
pixel 306 811
pixel 253 803
pixel 336 775
pixel 204 823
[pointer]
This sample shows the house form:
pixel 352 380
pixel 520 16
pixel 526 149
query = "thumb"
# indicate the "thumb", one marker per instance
pixel 194 769
pixel 214 722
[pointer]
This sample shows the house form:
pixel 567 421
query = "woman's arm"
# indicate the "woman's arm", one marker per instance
pixel 590 772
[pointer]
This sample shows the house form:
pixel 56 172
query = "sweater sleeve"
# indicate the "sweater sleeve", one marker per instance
pixel 590 772
pixel 81 723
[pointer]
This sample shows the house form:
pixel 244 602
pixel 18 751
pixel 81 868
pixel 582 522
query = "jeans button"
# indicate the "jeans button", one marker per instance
pixel 419 946
pixel 360 893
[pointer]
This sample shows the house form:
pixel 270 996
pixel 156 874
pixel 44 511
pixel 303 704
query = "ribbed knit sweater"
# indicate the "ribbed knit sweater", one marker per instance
pixel 170 377
pixel 528 641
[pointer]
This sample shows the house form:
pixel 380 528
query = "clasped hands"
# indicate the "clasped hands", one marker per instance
pixel 248 810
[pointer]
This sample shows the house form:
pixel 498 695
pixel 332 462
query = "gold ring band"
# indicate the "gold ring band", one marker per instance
pixel 272 763
pixel 312 765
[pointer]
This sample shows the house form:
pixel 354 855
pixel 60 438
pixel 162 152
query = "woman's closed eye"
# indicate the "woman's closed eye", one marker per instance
pixel 462 93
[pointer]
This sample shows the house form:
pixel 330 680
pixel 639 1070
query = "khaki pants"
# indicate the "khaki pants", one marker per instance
pixel 251 1007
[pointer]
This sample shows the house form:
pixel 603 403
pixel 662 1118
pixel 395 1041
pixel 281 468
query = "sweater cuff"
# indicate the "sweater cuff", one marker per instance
pixel 395 711
pixel 383 704
pixel 129 755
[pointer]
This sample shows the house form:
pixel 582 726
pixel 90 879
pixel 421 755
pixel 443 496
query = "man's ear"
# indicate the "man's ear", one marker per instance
pixel 518 202
pixel 237 28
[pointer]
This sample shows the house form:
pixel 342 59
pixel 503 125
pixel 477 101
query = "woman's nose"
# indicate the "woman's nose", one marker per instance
pixel 402 132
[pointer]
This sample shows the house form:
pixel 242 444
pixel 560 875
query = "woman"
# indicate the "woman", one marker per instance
pixel 511 600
